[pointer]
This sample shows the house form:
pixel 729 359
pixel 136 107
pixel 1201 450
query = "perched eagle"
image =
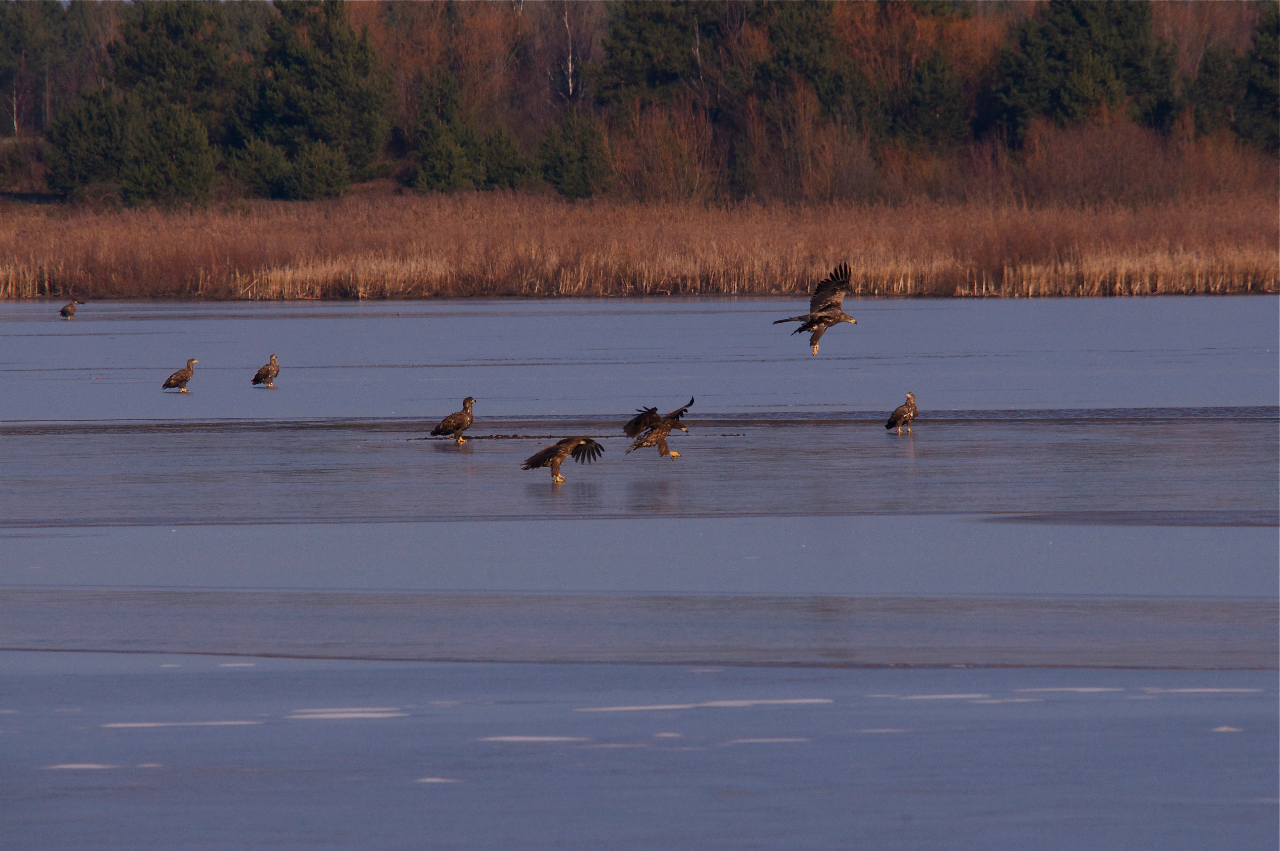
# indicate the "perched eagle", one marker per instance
pixel 69 309
pixel 649 429
pixel 267 374
pixel 903 415
pixel 180 378
pixel 583 449
pixel 457 422
pixel 824 306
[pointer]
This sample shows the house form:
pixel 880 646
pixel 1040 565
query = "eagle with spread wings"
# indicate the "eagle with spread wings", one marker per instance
pixel 584 450
pixel 825 306
pixel 649 429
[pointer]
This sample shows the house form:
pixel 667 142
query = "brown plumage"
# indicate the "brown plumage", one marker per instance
pixel 903 415
pixel 180 378
pixel 69 309
pixel 267 374
pixel 655 429
pixel 825 306
pixel 456 423
pixel 584 450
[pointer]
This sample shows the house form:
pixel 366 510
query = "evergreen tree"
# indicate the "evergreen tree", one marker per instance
pixel 1073 56
pixel 450 153
pixel 1216 92
pixel 652 49
pixel 572 157
pixel 932 109
pixel 85 143
pixel 166 157
pixel 177 53
pixel 1258 119
pixel 318 82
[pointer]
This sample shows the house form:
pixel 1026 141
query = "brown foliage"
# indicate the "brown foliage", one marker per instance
pixel 386 245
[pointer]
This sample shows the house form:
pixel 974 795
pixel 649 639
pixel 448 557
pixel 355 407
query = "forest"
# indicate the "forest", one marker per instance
pixel 267 138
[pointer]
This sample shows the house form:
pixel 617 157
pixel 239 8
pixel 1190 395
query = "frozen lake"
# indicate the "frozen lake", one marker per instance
pixel 1088 501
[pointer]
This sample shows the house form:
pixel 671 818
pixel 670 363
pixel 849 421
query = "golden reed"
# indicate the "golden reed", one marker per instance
pixel 379 244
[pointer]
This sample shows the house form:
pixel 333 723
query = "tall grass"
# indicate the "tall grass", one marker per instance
pixel 379 244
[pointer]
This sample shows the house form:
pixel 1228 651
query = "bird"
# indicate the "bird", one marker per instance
pixel 903 415
pixel 180 378
pixel 267 374
pixel 583 449
pixel 457 422
pixel 825 306
pixel 649 429
pixel 69 309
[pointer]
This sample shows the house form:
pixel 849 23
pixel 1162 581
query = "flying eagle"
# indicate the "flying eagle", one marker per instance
pixel 456 423
pixel 583 449
pixel 824 306
pixel 69 309
pixel 267 374
pixel 180 378
pixel 903 415
pixel 649 429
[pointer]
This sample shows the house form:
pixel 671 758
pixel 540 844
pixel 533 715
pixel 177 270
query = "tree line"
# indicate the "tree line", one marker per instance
pixel 180 101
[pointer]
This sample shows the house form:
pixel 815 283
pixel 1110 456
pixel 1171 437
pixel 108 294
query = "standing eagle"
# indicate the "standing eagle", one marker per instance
pixel 180 378
pixel 824 306
pixel 457 422
pixel 583 449
pixel 655 429
pixel 69 309
pixel 267 374
pixel 903 415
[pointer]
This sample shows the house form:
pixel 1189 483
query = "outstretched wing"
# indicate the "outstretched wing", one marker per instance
pixel 587 451
pixel 542 458
pixel 679 412
pixel 646 419
pixel 830 292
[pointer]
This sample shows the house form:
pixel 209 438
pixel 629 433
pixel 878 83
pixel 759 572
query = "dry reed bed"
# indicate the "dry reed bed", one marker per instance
pixel 403 246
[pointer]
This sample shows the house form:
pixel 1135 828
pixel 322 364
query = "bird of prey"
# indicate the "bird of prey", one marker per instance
pixel 903 415
pixel 824 306
pixel 267 374
pixel 180 378
pixel 69 309
pixel 457 422
pixel 583 449
pixel 649 429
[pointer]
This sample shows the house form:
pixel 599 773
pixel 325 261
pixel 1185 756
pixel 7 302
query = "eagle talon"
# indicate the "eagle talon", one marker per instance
pixel 815 351
pixel 557 479
pixel 675 454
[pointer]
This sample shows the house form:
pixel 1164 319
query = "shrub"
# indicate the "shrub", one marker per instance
pixel 85 143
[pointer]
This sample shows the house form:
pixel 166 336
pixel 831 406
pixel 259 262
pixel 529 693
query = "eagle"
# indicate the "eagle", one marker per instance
pixel 649 429
pixel 457 422
pixel 824 306
pixel 903 415
pixel 583 449
pixel 180 378
pixel 69 309
pixel 267 374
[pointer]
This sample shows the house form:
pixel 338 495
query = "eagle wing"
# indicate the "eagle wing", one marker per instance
pixel 830 292
pixel 898 415
pixel 263 375
pixel 542 458
pixel 646 419
pixel 587 451
pixel 679 412
pixel 451 423
pixel 178 379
